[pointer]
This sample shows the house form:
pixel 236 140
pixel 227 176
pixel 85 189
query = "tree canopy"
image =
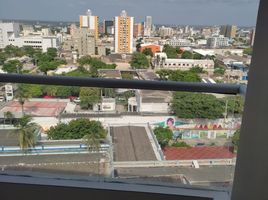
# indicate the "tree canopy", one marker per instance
pixel 178 75
pixel 248 51
pixel 148 52
pixel 139 61
pixel 89 96
pixel 196 105
pixel 163 135
pixel 236 139
pixel 12 66
pixel 76 129
pixel 171 51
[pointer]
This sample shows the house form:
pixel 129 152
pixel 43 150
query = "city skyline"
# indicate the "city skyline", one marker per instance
pixel 206 12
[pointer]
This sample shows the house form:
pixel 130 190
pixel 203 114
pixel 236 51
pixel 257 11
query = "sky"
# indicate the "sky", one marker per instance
pixel 179 12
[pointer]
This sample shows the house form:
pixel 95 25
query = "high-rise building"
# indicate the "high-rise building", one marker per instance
pixel 148 24
pixel 166 31
pixel 228 31
pixel 123 42
pixel 137 30
pixel 91 22
pixel 252 37
pixel 108 27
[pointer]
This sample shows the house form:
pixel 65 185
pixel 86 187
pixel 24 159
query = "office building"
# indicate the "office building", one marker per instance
pixel 228 31
pixel 91 22
pixel 8 31
pixel 148 24
pixel 123 33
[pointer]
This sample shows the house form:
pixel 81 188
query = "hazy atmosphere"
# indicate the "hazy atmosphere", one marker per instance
pixel 195 12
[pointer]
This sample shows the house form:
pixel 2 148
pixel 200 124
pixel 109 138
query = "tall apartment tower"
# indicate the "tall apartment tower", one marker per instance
pixel 123 41
pixel 137 30
pixel 228 31
pixel 148 25
pixel 91 22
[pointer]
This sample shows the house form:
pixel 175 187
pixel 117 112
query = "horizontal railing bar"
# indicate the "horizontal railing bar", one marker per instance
pixel 124 84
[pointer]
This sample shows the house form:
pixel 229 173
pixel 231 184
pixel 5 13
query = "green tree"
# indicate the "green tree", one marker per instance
pixel 8 116
pixel 27 132
pixel 89 97
pixel 85 60
pixel 148 52
pixel 236 139
pixel 235 104
pixel 22 94
pixel 63 91
pixel 52 52
pixel 248 51
pixel 171 51
pixel 3 58
pixel 197 70
pixel 187 55
pixel 196 105
pixel 139 61
pixel 178 75
pixel 12 66
pixel 163 135
pixel 13 51
pixel 219 70
pixel 108 92
pixel 197 56
pixel 29 51
pixel 50 90
pixel 77 129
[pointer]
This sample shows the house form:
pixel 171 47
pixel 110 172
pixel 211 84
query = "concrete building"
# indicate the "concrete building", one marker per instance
pixel 228 31
pixel 91 22
pixel 150 101
pixel 148 25
pixel 8 31
pixel 186 64
pixel 137 32
pixel 108 27
pixel 166 31
pixel 206 32
pixel 176 42
pixel 85 42
pixel 123 33
pixel 252 37
pixel 37 42
pixel 218 42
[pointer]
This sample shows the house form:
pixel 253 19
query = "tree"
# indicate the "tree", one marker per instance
pixel 219 70
pixel 197 70
pixel 139 61
pixel 195 105
pixel 35 90
pixel 148 52
pixel 52 52
pixel 85 60
pixel 248 51
pixel 108 92
pixel 171 51
pixel 89 97
pixel 197 56
pixel 3 58
pixel 27 132
pixel 29 51
pixel 178 75
pixel 187 55
pixel 9 116
pixel 12 66
pixel 236 139
pixel 163 135
pixel 22 94
pixel 77 129
pixel 235 104
pixel 63 91
pixel 50 90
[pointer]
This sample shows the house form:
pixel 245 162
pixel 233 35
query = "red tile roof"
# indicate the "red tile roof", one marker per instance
pixel 196 153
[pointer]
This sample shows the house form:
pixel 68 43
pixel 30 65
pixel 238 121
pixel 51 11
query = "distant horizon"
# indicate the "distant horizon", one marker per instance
pixel 101 21
pixel 173 12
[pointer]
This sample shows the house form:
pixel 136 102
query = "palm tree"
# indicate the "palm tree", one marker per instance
pixel 27 132
pixel 23 94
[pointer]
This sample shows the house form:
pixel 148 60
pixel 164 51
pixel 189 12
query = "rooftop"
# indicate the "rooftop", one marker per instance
pixel 197 153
